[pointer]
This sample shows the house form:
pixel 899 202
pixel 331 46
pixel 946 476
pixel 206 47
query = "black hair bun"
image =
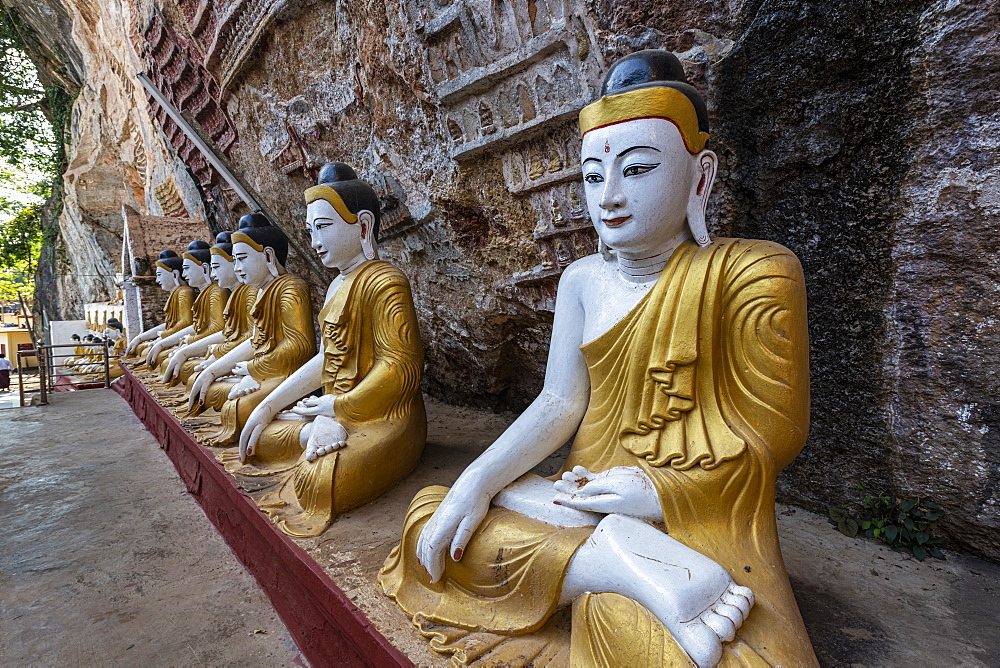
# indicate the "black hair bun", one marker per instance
pixel 224 238
pixel 254 220
pixel 650 68
pixel 198 245
pixel 332 172
pixel 167 254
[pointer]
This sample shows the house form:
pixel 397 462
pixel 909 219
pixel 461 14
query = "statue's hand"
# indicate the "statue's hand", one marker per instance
pixel 259 418
pixel 154 351
pixel 316 406
pixel 625 490
pixel 452 525
pixel 200 389
pixel 326 436
pixel 247 385
pixel 201 366
pixel 174 365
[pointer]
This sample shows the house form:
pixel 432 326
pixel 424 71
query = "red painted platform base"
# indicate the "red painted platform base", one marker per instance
pixel 328 628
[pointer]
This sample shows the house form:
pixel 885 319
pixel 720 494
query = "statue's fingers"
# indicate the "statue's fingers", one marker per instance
pixel 581 472
pixel 565 486
pixel 604 503
pixel 600 486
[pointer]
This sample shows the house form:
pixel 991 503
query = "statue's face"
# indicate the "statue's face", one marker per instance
pixel 638 178
pixel 250 265
pixel 336 241
pixel 166 279
pixel 195 274
pixel 224 272
pixel 112 333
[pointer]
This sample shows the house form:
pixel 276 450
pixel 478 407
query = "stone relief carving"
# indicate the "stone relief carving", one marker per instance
pixel 510 80
pixel 227 31
pixel 175 69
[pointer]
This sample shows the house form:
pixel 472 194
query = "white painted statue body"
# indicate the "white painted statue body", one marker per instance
pixel 223 272
pixel 198 276
pixel 646 195
pixel 168 281
pixel 340 245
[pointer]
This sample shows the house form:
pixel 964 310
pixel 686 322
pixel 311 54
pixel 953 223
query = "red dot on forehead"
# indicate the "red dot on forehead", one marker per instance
pixel 607 146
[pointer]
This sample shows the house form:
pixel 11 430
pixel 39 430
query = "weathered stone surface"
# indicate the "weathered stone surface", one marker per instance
pixel 861 135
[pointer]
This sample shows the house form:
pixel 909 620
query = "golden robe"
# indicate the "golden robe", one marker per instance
pixel 207 319
pixel 704 385
pixel 116 352
pixel 372 362
pixel 177 315
pixel 283 340
pixel 237 328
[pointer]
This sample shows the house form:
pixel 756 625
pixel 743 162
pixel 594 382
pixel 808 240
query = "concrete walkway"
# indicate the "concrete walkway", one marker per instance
pixel 105 558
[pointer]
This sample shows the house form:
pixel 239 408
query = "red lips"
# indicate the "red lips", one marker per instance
pixel 615 222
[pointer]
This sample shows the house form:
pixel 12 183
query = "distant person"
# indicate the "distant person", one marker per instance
pixel 5 368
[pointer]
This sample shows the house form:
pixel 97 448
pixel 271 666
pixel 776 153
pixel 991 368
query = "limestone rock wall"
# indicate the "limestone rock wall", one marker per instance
pixel 862 135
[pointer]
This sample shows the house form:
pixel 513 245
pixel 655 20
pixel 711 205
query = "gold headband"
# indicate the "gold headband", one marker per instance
pixel 160 264
pixel 656 102
pixel 240 237
pixel 333 197
pixel 188 256
pixel 219 251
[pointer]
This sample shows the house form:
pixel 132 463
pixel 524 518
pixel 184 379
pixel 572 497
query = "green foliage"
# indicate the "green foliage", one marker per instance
pixel 27 140
pixel 34 123
pixel 21 239
pixel 906 525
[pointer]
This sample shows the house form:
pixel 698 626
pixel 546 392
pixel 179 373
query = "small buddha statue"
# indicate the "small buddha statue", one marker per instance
pixel 366 431
pixel 679 366
pixel 214 276
pixel 236 326
pixel 177 311
pixel 115 333
pixel 78 351
pixel 206 310
pixel 282 335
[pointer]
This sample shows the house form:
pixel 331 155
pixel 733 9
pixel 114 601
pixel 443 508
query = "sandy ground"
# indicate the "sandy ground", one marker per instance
pixel 104 557
pixel 146 579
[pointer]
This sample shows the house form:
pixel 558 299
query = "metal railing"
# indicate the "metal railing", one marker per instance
pixel 52 366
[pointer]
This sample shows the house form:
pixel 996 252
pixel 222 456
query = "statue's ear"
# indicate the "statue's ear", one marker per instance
pixel 271 259
pixel 706 165
pixel 366 219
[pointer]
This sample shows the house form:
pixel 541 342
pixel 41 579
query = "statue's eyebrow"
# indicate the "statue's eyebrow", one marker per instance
pixel 636 148
pixel 597 160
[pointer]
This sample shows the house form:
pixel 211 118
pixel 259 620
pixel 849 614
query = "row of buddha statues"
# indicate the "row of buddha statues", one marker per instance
pixel 87 362
pixel 678 367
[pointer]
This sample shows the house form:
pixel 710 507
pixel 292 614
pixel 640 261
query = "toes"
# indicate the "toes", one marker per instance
pixel 701 642
pixel 732 613
pixel 737 602
pixel 742 591
pixel 723 626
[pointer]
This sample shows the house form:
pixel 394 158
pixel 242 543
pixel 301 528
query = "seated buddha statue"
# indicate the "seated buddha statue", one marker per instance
pixel 212 273
pixel 206 310
pixel 281 323
pixel 366 431
pixel 236 328
pixel 678 365
pixel 177 311
pixel 115 333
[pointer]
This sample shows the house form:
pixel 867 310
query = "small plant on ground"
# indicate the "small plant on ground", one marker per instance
pixel 905 525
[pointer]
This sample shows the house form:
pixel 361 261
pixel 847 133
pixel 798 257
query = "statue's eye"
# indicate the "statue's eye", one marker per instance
pixel 635 170
pixel 593 177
